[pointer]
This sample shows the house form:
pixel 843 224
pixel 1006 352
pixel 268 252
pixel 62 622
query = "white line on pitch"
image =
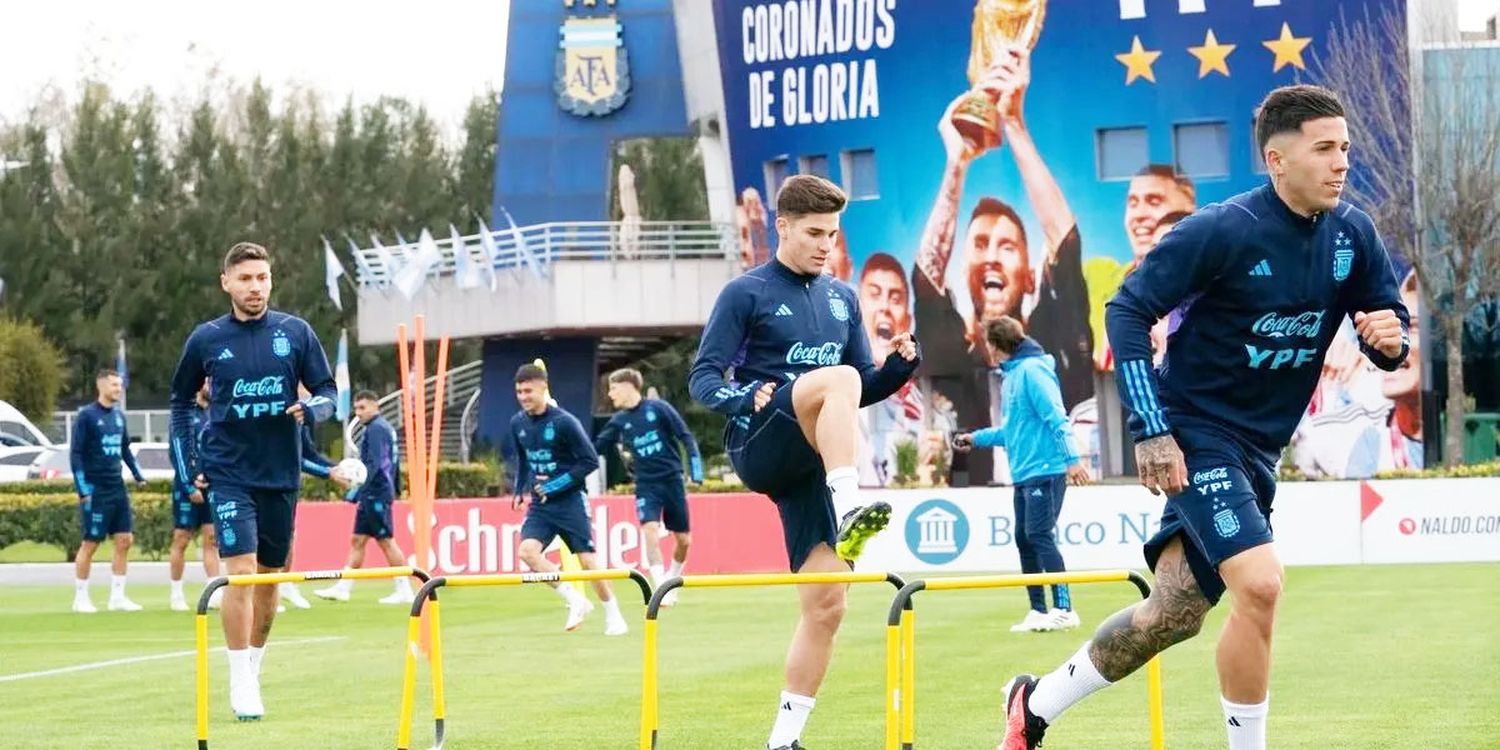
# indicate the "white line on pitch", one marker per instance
pixel 139 659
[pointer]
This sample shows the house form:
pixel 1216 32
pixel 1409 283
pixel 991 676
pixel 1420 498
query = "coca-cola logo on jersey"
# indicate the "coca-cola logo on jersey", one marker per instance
pixel 1304 324
pixel 828 353
pixel 267 386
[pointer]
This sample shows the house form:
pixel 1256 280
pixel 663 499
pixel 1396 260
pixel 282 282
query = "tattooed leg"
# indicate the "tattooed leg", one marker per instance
pixel 1173 613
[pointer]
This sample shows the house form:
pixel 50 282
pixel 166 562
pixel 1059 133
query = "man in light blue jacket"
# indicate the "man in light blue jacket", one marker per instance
pixel 1038 442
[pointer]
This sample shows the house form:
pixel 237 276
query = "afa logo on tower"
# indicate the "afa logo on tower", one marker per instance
pixel 937 532
pixel 592 72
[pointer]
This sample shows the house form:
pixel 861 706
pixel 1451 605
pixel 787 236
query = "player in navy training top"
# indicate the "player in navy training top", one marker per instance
pixel 379 451
pixel 553 457
pixel 248 460
pixel 191 516
pixel 794 338
pixel 1264 278
pixel 654 435
pixel 100 442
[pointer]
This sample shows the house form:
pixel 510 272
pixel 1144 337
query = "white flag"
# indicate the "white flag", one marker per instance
pixel 520 245
pixel 463 266
pixel 332 270
pixel 412 275
pixel 387 262
pixel 341 377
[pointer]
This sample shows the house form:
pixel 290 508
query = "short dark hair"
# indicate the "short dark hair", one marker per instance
pixel 531 371
pixel 882 262
pixel 367 395
pixel 1172 218
pixel 243 251
pixel 1169 172
pixel 1286 108
pixel 628 375
pixel 809 194
pixel 1004 333
pixel 995 207
pixel 106 372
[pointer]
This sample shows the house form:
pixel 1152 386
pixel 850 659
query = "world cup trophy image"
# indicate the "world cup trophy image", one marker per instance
pixel 998 25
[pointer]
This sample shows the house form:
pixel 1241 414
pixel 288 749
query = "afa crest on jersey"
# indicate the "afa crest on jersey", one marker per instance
pixel 281 346
pixel 1343 256
pixel 548 433
pixel 1226 523
pixel 650 415
pixel 839 307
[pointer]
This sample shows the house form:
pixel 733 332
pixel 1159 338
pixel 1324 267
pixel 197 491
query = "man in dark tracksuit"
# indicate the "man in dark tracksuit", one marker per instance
pixel 654 434
pixel 99 443
pixel 795 340
pixel 1266 277
pixel 553 457
pixel 249 459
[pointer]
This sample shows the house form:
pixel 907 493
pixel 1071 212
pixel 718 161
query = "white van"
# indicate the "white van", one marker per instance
pixel 17 430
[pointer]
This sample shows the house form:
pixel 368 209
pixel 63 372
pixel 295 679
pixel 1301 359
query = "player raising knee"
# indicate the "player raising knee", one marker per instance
pixel 655 433
pixel 801 370
pixel 1264 278
pixel 553 456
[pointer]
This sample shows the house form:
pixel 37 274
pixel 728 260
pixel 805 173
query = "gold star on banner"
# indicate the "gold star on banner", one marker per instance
pixel 1138 62
pixel 1212 56
pixel 1288 48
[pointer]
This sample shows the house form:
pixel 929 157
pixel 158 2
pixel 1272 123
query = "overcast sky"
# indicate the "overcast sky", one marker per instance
pixel 437 53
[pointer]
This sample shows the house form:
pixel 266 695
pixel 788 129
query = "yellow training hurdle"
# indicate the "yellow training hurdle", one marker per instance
pixel 257 579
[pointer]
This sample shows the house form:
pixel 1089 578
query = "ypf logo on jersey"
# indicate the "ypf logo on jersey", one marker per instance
pixel 937 532
pixel 1343 256
pixel 281 346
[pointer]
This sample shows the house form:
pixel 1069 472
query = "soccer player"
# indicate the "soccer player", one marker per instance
pixel 660 497
pixel 795 340
pixel 1273 270
pixel 314 464
pixel 1038 443
pixel 380 453
pixel 100 442
pixel 553 457
pixel 249 459
pixel 191 515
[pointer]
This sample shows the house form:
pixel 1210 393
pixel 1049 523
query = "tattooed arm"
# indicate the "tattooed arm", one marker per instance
pixel 942 223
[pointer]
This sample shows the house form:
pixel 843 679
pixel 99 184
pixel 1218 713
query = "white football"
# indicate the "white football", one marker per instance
pixel 353 470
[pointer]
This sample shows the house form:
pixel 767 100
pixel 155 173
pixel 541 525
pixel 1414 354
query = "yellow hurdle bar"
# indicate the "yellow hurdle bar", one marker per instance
pixel 200 623
pixel 650 701
pixel 414 631
pixel 901 651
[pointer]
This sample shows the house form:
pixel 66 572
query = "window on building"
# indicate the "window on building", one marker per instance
pixel 1201 148
pixel 1121 152
pixel 776 172
pixel 861 181
pixel 816 164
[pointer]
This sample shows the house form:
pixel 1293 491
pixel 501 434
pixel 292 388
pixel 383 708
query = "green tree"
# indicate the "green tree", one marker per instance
pixel 30 370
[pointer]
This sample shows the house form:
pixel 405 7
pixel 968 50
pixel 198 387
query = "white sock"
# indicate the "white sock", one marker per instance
pixel 844 482
pixel 658 574
pixel 257 654
pixel 1246 724
pixel 177 589
pixel 1075 680
pixel 676 569
pixel 791 717
pixel 345 585
pixel 116 587
pixel 81 587
pixel 568 593
pixel 286 589
pixel 403 586
pixel 239 666
pixel 612 609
